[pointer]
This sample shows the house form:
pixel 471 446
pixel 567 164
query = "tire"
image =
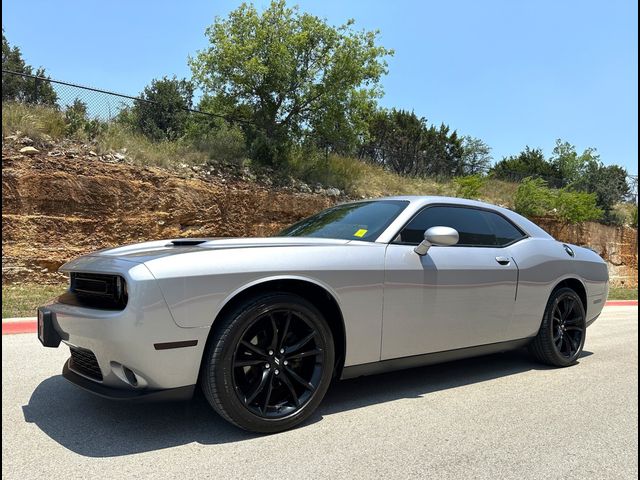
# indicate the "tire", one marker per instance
pixel 269 363
pixel 563 331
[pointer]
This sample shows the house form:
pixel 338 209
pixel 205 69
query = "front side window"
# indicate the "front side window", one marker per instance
pixel 351 221
pixel 477 228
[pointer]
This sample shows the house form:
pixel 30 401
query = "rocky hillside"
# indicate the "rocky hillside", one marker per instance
pixel 62 199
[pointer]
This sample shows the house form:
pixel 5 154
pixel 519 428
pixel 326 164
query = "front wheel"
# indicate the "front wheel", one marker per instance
pixel 269 363
pixel 562 333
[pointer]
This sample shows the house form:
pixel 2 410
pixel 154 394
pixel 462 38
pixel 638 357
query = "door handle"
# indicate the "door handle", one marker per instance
pixel 503 260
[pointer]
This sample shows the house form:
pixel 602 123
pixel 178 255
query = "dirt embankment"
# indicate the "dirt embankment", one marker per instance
pixel 57 204
pixel 65 200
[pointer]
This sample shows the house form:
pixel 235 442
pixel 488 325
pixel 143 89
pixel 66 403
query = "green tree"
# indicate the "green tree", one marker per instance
pixel 569 165
pixel 396 141
pixel 19 88
pixel 339 127
pixel 404 143
pixel 528 163
pixel 608 183
pixel 288 70
pixel 443 152
pixel 162 111
pixel 476 156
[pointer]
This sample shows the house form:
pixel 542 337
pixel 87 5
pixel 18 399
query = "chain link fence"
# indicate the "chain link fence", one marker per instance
pixel 94 104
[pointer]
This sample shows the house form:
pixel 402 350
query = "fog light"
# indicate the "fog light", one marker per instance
pixel 131 377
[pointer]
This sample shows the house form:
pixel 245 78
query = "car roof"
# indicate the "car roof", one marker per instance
pixel 417 202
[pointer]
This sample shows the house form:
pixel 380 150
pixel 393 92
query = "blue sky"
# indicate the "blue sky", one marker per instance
pixel 513 73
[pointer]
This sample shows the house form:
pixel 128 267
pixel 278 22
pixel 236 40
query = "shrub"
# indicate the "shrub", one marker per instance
pixel 533 198
pixel 614 217
pixel 79 125
pixel 469 187
pixel 634 217
pixel 222 141
pixel 576 207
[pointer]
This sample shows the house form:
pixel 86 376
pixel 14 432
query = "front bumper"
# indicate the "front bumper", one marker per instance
pixel 140 352
pixel 170 394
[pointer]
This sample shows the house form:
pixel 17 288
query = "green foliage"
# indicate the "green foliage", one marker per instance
pixel 634 217
pixel 289 71
pixel 570 166
pixel 402 142
pixel 78 123
pixel 17 88
pixel 576 207
pixel 162 113
pixel 476 156
pixel 76 116
pixel 608 183
pixel 528 163
pixel 470 186
pixel 443 152
pixel 533 198
pixel 222 141
pixel 395 141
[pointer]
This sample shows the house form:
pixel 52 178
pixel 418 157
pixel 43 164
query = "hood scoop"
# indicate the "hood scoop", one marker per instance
pixel 188 242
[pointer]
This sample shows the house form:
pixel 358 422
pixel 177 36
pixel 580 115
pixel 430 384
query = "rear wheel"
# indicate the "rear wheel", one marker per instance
pixel 562 333
pixel 269 363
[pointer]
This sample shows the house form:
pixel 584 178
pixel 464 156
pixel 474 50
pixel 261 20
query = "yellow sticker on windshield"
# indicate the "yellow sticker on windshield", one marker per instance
pixel 360 233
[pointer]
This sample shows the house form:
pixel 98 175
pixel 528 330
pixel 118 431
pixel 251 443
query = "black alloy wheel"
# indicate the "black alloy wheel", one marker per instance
pixel 278 363
pixel 568 325
pixel 562 334
pixel 269 363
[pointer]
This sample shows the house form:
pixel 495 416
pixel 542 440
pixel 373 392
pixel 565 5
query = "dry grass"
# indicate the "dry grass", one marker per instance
pixel 35 122
pixel 146 152
pixel 361 179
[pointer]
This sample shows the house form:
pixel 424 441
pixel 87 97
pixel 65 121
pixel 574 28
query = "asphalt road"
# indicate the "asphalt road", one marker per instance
pixel 500 416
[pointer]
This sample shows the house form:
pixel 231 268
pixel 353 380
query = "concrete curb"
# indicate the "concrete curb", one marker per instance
pixel 11 326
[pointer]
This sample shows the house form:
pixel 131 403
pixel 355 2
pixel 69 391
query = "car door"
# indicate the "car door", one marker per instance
pixel 454 296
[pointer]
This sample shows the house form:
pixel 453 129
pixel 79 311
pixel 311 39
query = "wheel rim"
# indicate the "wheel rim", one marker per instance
pixel 278 363
pixel 568 326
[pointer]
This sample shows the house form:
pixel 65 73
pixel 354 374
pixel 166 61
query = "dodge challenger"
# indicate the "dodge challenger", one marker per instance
pixel 263 325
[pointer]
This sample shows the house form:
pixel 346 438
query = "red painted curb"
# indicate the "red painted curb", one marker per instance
pixel 31 326
pixel 621 303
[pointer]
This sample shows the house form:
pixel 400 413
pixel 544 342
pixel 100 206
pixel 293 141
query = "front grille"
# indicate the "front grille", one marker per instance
pixel 94 290
pixel 85 363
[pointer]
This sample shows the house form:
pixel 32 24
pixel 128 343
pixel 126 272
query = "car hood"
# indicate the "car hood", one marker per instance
pixel 143 252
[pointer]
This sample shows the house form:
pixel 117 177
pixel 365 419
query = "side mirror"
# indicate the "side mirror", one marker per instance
pixel 437 236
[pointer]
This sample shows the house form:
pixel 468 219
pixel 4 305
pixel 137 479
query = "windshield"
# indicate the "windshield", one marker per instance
pixel 351 221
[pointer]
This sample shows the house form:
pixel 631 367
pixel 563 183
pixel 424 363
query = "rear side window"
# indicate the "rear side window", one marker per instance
pixel 477 228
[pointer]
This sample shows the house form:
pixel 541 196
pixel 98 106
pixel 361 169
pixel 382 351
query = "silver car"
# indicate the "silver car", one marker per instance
pixel 262 325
